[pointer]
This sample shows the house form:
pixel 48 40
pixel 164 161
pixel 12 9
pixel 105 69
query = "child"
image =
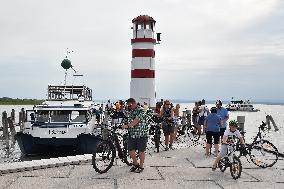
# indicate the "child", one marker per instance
pixel 229 136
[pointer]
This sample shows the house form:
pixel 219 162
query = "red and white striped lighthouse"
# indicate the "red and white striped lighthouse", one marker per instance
pixel 142 85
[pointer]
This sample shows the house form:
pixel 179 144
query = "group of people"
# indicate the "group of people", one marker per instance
pixel 138 129
pixel 214 124
pixel 216 128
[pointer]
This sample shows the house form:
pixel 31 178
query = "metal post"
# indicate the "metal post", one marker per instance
pixel 241 122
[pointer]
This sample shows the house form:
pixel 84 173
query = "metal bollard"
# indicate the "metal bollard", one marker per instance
pixel 188 116
pixel 241 122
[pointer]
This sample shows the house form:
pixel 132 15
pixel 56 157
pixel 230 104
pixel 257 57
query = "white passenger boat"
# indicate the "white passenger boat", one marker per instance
pixel 241 105
pixel 65 120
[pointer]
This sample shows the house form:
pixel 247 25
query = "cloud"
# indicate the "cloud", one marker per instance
pixel 198 38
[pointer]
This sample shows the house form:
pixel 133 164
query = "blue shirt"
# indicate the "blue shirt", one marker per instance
pixel 223 113
pixel 213 122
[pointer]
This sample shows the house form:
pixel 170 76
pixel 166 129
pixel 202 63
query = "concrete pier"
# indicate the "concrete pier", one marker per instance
pixel 180 168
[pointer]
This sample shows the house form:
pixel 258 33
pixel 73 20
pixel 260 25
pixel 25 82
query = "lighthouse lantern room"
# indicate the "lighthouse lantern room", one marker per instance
pixel 142 84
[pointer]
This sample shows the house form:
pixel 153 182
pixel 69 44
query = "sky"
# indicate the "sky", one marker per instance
pixel 210 49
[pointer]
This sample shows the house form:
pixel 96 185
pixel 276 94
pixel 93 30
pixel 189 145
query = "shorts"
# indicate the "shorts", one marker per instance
pixel 224 150
pixel 215 135
pixel 194 120
pixel 222 131
pixel 168 129
pixel 139 144
pixel 201 120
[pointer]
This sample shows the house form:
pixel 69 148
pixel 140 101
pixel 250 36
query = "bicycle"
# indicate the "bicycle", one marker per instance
pixel 105 152
pixel 155 130
pixel 261 152
pixel 186 129
pixel 232 161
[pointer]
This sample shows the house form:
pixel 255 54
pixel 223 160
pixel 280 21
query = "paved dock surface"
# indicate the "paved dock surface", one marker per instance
pixel 179 168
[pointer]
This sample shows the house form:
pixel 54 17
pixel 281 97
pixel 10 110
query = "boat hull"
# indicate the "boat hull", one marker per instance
pixel 83 144
pixel 243 110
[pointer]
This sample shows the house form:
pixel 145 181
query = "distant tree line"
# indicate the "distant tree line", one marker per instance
pixel 11 101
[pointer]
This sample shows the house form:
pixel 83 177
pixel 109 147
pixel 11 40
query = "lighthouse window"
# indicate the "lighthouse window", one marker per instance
pixel 140 26
pixel 148 26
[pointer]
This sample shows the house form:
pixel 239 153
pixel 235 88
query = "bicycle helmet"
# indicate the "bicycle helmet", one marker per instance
pixel 233 123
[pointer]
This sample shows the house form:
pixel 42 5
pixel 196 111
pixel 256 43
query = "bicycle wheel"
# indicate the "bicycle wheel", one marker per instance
pixel 223 164
pixel 236 168
pixel 192 132
pixel 126 157
pixel 103 157
pixel 263 154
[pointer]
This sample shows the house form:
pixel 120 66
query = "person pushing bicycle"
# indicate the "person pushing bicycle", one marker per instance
pixel 228 138
pixel 138 134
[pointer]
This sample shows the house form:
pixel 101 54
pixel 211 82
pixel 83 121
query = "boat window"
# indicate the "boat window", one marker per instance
pixel 30 116
pixel 42 116
pixel 60 115
pixel 78 116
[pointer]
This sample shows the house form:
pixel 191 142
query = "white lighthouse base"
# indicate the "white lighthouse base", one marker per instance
pixel 143 90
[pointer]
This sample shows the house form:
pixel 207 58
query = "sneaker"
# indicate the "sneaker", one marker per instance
pixel 134 167
pixel 139 170
pixel 167 148
pixel 171 147
pixel 213 168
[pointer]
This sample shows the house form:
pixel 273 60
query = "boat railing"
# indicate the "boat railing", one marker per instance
pixel 69 92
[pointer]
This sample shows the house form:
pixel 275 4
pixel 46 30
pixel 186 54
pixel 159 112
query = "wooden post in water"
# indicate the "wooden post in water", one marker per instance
pixel 5 125
pixel 5 129
pixel 22 117
pixel 13 115
pixel 12 129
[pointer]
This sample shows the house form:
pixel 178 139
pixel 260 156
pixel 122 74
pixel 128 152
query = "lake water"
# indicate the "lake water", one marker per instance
pixel 252 121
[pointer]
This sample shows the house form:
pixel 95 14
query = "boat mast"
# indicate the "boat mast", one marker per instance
pixel 66 64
